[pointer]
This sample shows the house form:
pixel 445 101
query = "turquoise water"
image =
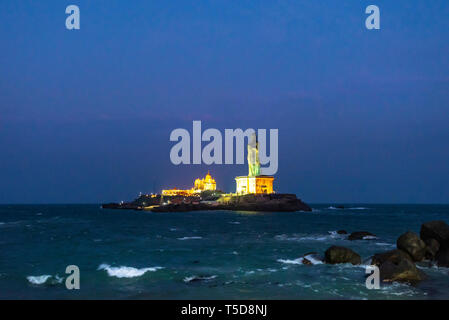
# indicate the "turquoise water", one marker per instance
pixel 232 255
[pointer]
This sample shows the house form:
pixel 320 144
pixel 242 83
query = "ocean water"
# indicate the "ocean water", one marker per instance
pixel 202 255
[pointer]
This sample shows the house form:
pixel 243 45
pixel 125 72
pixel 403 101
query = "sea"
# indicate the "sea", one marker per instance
pixel 125 254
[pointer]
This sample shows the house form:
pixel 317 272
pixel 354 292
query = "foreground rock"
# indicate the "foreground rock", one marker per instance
pixel 397 266
pixel 362 235
pixel 438 230
pixel 413 245
pixel 442 258
pixel 432 248
pixel 336 254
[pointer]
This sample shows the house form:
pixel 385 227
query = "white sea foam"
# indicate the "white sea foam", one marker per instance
pixel 349 208
pixel 199 278
pixel 313 237
pixel 190 238
pixel 288 261
pixel 310 257
pixel 335 234
pixel 234 222
pixel 384 244
pixel 126 272
pixel 38 279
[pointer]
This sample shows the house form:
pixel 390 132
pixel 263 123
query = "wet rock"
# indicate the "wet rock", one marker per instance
pixel 362 235
pixel 442 258
pixel 397 266
pixel 432 248
pixel 393 255
pixel 342 232
pixel 336 254
pixel 404 271
pixel 438 230
pixel 413 245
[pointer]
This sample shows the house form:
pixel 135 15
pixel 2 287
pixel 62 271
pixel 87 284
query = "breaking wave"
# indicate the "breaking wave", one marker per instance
pixel 44 279
pixel 332 235
pixel 312 258
pixel 190 238
pixel 199 278
pixel 126 272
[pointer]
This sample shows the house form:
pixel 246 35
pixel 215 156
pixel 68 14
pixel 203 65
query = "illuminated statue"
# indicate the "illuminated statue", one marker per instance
pixel 254 182
pixel 253 157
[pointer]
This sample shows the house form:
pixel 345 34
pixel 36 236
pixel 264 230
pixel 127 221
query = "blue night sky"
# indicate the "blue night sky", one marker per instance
pixel 85 115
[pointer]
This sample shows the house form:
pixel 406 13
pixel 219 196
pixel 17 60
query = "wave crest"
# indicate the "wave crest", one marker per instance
pixel 126 272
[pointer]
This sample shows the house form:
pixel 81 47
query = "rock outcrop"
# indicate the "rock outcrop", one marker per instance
pixel 336 254
pixel 413 245
pixel 438 230
pixel 442 258
pixel 249 202
pixel 362 235
pixel 397 265
pixel 432 248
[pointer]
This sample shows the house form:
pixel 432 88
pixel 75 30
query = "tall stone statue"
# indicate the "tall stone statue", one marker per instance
pixel 253 157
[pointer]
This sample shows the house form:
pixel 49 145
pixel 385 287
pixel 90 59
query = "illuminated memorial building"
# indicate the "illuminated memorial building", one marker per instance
pixel 208 183
pixel 254 182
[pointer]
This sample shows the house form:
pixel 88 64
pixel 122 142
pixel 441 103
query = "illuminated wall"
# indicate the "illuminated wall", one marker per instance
pixel 178 192
pixel 259 184
pixel 208 183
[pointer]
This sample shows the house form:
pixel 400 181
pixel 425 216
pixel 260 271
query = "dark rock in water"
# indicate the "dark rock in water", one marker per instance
pixel 342 232
pixel 432 248
pixel 393 255
pixel 340 207
pixel 412 244
pixel 404 271
pixel 336 254
pixel 438 230
pixel 443 258
pixel 397 265
pixel 362 235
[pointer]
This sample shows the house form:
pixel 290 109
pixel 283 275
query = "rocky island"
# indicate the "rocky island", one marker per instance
pixel 249 202
pixel 254 192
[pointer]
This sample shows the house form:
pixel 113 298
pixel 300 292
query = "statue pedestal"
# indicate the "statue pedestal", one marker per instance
pixel 256 185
